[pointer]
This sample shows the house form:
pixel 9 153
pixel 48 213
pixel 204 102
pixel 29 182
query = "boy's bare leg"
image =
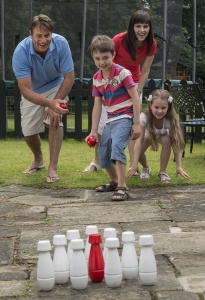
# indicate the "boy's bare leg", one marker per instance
pixel 112 172
pixel 121 173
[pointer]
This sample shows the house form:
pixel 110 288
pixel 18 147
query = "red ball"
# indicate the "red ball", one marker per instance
pixel 63 105
pixel 91 141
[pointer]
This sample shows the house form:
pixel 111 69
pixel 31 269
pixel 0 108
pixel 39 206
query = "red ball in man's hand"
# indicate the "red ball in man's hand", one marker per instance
pixel 91 141
pixel 63 105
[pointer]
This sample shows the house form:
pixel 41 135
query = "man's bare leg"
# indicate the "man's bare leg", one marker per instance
pixel 34 143
pixel 55 139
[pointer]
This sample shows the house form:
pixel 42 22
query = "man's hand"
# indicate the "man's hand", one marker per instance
pixel 55 106
pixel 54 118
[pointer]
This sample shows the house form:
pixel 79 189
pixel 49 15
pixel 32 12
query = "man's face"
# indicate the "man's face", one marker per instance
pixel 41 38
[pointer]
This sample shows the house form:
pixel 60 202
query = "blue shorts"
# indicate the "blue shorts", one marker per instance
pixel 114 140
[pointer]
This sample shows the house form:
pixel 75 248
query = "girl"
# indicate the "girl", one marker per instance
pixel 159 125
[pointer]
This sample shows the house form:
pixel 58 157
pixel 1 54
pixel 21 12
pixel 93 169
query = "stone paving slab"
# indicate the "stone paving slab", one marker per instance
pixel 6 251
pixel 95 214
pixel 177 295
pixel 174 215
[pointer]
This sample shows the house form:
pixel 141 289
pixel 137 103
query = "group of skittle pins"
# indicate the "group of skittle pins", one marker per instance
pixel 72 259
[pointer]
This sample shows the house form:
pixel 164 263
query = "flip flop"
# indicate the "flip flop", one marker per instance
pixel 52 179
pixel 31 170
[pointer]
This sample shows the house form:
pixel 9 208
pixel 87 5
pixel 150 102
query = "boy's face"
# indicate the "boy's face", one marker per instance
pixel 103 61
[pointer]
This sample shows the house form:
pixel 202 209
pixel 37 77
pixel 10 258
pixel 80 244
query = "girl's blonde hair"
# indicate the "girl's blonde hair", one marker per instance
pixel 176 134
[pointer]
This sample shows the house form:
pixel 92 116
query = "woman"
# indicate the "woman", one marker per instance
pixel 135 50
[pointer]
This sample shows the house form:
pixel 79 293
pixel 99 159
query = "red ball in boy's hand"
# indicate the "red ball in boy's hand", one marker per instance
pixel 91 141
pixel 63 105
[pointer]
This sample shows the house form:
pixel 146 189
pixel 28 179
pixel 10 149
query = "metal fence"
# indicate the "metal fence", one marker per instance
pixel 77 123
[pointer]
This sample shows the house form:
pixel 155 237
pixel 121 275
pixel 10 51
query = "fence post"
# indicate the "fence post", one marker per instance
pixel 90 105
pixel 78 110
pixel 17 114
pixel 151 86
pixel 3 110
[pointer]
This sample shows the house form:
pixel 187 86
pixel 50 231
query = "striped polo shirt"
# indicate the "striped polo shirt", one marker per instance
pixel 114 91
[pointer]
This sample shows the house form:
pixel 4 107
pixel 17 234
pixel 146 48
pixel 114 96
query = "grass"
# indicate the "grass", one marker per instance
pixel 75 156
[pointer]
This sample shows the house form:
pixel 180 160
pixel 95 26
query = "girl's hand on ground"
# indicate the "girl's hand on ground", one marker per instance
pixel 182 173
pixel 131 172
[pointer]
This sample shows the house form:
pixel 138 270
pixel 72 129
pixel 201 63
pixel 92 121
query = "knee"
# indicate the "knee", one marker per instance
pixel 166 140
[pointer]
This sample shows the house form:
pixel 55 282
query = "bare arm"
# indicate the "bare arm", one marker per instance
pixel 179 169
pixel 96 114
pixel 136 110
pixel 26 90
pixel 145 71
pixel 137 151
pixel 65 86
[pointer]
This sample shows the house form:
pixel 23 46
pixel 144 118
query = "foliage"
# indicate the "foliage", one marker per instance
pixel 113 17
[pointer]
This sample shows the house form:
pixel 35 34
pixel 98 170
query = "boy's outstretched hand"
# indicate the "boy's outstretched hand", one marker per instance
pixel 135 132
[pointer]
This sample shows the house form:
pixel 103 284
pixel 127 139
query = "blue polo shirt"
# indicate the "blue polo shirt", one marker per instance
pixel 45 73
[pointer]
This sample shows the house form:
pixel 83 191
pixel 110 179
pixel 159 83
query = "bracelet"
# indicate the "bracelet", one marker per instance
pixel 139 92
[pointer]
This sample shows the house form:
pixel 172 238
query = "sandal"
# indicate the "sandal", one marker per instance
pixel 109 187
pixel 145 173
pixel 89 168
pixel 164 178
pixel 121 194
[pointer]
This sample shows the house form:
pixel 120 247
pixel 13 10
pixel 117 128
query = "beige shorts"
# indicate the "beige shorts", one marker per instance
pixel 33 116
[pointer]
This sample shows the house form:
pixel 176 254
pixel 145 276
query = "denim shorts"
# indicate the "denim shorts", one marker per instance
pixel 114 140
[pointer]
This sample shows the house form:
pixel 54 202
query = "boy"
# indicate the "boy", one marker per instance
pixel 113 85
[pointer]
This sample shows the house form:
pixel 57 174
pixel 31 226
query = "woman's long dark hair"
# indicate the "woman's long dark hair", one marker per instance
pixel 139 16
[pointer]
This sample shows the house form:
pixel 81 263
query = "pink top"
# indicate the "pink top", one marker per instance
pixel 123 57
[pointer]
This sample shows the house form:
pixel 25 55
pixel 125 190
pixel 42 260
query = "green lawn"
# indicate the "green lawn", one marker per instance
pixel 75 156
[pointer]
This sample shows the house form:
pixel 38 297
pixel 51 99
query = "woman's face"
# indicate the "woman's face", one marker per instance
pixel 141 31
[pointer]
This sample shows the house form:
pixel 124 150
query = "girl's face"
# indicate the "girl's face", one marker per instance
pixel 141 31
pixel 159 108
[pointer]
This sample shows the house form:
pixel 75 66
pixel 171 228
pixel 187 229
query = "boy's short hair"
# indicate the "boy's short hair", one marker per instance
pixel 42 21
pixel 102 43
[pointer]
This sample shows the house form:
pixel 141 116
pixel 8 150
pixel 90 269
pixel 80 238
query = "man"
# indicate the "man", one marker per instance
pixel 44 69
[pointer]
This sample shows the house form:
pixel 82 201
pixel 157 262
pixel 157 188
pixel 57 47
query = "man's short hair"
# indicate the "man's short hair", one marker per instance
pixel 42 21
